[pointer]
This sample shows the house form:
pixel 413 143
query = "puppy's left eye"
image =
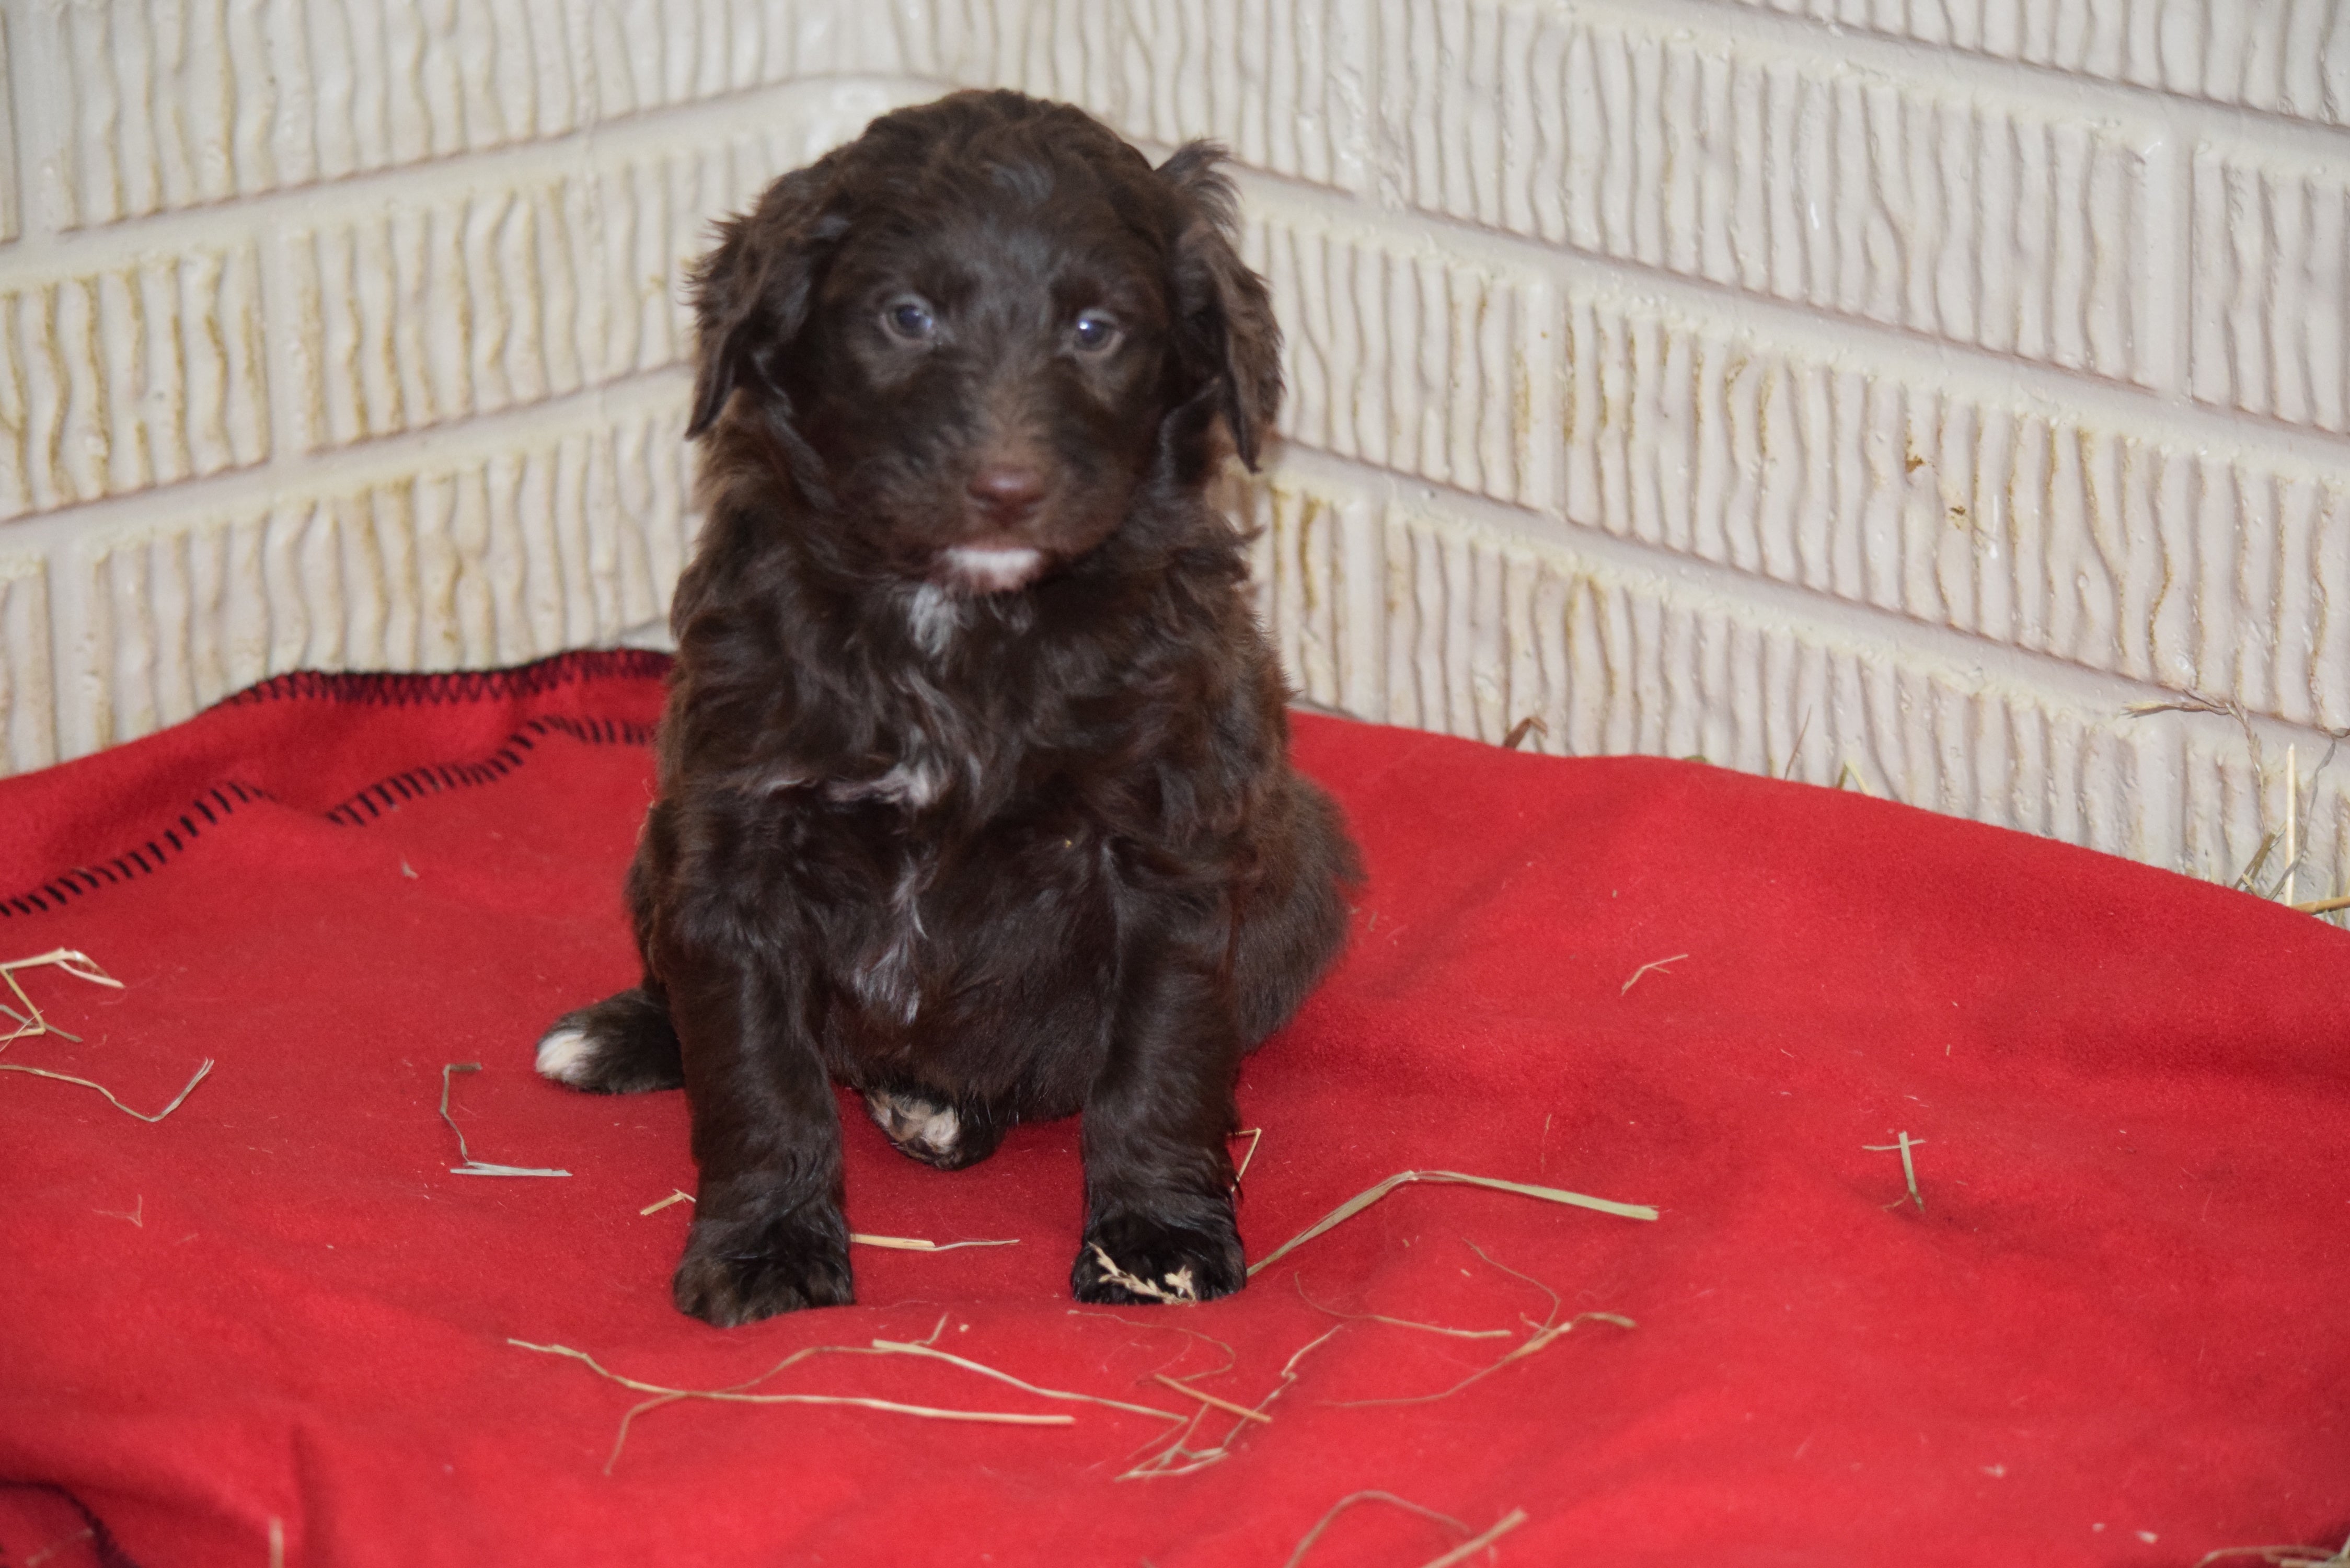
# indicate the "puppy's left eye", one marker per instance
pixel 1095 332
pixel 908 318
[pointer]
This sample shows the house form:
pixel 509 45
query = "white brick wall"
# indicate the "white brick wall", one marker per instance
pixel 1895 391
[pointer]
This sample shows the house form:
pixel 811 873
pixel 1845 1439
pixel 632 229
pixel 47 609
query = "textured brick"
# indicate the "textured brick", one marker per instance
pixel 563 542
pixel 1282 84
pixel 1400 355
pixel 1414 615
pixel 2007 223
pixel 2188 564
pixel 496 297
pixel 28 722
pixel 202 101
pixel 2286 57
pixel 8 111
pixel 2270 302
pixel 133 377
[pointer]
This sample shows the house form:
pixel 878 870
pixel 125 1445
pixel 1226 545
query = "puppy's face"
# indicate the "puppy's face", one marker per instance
pixel 984 382
pixel 978 330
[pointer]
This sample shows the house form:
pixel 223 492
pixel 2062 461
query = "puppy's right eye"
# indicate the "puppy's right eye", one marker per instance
pixel 908 318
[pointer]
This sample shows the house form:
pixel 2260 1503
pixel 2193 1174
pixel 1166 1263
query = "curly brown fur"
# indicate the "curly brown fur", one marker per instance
pixel 974 792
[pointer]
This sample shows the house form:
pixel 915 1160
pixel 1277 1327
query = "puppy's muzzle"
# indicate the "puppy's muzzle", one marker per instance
pixel 1005 494
pixel 1001 499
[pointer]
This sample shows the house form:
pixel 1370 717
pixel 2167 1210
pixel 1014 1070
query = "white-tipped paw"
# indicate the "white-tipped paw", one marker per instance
pixel 923 1128
pixel 566 1055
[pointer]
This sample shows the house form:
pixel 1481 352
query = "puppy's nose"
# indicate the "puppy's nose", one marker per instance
pixel 1007 491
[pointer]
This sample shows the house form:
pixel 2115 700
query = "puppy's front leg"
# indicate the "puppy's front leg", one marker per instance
pixel 768 1235
pixel 1158 1208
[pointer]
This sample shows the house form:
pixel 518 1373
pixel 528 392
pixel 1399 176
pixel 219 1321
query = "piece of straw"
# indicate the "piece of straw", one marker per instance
pixel 1169 1326
pixel 861 1401
pixel 30 1022
pixel 1299 1280
pixel 927 1348
pixel 740 1393
pixel 1909 1165
pixel 2291 821
pixel 1463 1553
pixel 473 1167
pixel 2260 859
pixel 1544 1332
pixel 1349 1501
pixel 1179 1459
pixel 1205 1398
pixel 177 1099
pixel 2323 906
pixel 1656 964
pixel 1179 1286
pixel 1255 1136
pixel 1795 751
pixel 1362 1201
pixel 2282 1556
pixel 894 1243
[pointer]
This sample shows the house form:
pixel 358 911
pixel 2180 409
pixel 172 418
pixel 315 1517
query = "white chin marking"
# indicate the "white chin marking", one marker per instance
pixel 564 1055
pixel 992 571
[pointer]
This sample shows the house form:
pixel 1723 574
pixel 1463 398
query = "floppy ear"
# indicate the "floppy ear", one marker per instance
pixel 1223 306
pixel 751 294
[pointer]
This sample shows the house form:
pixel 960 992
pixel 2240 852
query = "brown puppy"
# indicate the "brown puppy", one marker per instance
pixel 974 791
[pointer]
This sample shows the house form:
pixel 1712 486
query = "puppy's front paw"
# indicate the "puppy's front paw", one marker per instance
pixel 735 1272
pixel 1131 1258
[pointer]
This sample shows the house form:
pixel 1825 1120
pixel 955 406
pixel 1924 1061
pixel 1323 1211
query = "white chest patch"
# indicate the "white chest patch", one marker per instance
pixel 935 616
pixel 888 980
pixel 911 784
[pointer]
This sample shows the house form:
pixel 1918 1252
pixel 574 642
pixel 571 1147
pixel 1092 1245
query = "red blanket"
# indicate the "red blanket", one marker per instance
pixel 2108 1323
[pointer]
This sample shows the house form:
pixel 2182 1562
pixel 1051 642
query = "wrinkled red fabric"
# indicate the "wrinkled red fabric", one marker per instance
pixel 2116 1332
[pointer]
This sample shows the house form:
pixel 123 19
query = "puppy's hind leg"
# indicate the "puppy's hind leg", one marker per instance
pixel 624 1045
pixel 932 1130
pixel 1294 921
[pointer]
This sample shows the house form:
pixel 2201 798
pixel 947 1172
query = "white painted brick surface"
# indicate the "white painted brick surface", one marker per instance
pixel 1985 219
pixel 154 107
pixel 1396 607
pixel 27 710
pixel 2283 57
pixel 509 294
pixel 7 145
pixel 130 377
pixel 1425 363
pixel 566 539
pixel 1895 392
pixel 1285 84
pixel 2270 332
pixel 2155 553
